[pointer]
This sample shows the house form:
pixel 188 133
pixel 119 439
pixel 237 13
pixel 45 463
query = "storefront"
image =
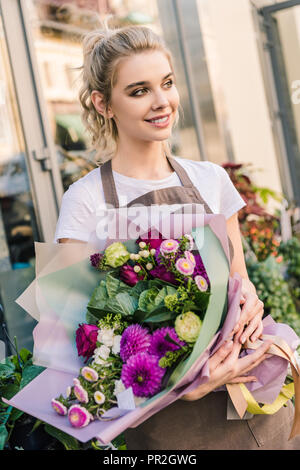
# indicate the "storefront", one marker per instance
pixel 236 74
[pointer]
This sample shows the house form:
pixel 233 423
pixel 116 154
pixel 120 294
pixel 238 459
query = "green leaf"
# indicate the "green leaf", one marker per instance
pixel 99 297
pixel 115 286
pixel 122 303
pixel 90 318
pixel 29 373
pixel 167 290
pixel 6 371
pixel 3 436
pixel 9 391
pixel 139 288
pixel 160 317
pixel 25 355
pixel 15 414
pixel 202 299
pixel 36 425
pixel 147 299
pixel 69 442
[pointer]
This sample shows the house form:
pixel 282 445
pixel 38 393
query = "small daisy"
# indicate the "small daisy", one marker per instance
pixel 168 246
pixel 184 266
pixel 81 394
pixel 91 375
pixel 201 283
pixel 190 257
pixel 59 407
pixel 78 416
pixel 99 397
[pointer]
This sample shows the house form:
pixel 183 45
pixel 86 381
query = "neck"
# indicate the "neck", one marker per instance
pixel 141 161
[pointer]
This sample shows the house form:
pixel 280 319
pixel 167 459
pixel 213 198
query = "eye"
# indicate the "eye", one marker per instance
pixel 135 93
pixel 169 82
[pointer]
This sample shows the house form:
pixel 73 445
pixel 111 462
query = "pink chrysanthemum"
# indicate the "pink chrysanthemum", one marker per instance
pixel 81 394
pixel 201 283
pixel 59 407
pixel 134 339
pixel 184 266
pixel 91 375
pixel 78 416
pixel 168 246
pixel 143 374
pixel 160 345
pixel 190 257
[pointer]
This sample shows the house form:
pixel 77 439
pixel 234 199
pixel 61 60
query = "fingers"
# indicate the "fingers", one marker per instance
pixel 243 379
pixel 221 354
pixel 250 361
pixel 252 307
pixel 251 328
pixel 257 332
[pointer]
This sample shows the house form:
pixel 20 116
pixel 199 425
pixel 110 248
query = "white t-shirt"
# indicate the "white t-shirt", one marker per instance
pixel 82 199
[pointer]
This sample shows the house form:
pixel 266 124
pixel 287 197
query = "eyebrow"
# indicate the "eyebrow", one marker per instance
pixel 132 85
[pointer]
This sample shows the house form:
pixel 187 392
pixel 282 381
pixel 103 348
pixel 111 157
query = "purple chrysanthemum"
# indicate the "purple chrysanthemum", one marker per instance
pixel 199 269
pixel 143 374
pixel 160 272
pixel 95 259
pixel 160 345
pixel 134 339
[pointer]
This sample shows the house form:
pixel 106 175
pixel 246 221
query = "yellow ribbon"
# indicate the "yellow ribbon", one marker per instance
pixel 243 400
pixel 287 392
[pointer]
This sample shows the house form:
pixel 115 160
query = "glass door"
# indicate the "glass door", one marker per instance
pixel 30 183
pixel 281 24
pixel 18 221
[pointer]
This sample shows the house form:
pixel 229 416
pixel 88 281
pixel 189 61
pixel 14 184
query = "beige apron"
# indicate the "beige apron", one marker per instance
pixel 200 424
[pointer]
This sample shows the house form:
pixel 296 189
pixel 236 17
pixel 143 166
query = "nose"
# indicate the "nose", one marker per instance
pixel 160 100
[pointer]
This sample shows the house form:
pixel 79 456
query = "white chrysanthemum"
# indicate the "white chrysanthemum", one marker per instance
pixel 103 352
pixel 99 397
pixel 116 346
pixel 119 387
pixel 106 336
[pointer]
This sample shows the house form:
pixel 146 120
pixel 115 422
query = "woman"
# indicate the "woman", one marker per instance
pixel 130 103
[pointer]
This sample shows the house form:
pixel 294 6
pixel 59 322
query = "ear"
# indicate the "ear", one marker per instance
pixel 97 100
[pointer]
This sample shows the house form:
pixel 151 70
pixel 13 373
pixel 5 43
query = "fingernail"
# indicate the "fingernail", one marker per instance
pixel 243 339
pixel 228 344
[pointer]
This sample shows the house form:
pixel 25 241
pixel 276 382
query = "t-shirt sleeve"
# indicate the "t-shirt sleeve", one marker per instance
pixel 76 214
pixel 230 199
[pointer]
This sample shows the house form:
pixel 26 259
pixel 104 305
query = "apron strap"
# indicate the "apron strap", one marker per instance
pixel 108 183
pixel 181 173
pixel 109 187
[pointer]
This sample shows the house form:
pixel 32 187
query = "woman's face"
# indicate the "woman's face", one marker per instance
pixel 144 91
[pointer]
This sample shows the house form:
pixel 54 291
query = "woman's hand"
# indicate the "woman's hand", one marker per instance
pixel 251 314
pixel 225 366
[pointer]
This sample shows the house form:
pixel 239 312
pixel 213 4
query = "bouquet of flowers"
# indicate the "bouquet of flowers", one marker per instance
pixel 147 315
pixel 136 324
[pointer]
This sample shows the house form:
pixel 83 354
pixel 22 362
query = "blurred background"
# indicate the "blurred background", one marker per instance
pixel 238 75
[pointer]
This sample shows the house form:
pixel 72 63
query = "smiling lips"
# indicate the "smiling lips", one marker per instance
pixel 162 121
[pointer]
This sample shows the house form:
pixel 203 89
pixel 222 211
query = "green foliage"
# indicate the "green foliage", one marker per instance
pixel 290 251
pixel 274 291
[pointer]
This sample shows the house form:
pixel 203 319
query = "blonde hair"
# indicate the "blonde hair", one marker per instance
pixel 103 49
